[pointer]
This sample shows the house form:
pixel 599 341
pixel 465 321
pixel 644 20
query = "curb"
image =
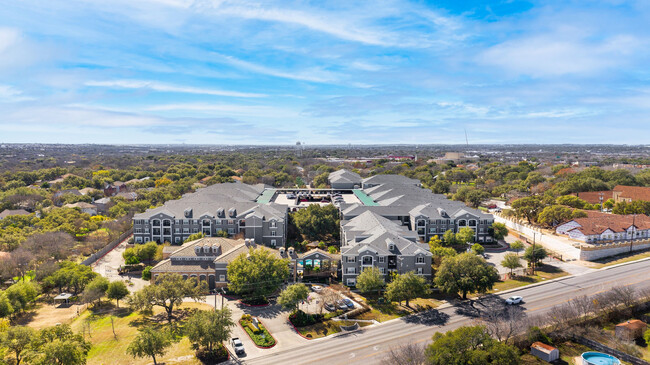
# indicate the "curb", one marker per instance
pixel 249 336
pixel 298 332
pixel 252 305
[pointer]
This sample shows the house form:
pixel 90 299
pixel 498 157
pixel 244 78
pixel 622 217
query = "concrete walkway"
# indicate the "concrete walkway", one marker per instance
pixel 556 244
pixel 108 265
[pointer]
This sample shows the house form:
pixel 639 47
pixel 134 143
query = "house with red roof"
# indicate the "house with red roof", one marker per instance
pixel 606 228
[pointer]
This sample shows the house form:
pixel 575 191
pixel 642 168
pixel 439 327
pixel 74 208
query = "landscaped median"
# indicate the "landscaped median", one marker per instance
pixel 258 333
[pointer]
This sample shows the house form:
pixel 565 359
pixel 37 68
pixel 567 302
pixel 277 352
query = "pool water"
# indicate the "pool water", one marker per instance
pixel 597 358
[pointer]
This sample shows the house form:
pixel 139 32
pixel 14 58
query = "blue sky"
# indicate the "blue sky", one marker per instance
pixel 328 72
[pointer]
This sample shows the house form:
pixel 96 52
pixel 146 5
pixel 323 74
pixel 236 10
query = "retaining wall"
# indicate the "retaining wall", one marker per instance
pixel 595 252
pixel 99 254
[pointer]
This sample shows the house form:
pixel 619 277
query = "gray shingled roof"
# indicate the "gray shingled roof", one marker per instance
pixel 344 176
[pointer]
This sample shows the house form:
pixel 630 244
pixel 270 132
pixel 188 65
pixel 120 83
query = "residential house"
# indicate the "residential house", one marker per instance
pixel 83 207
pixel 103 205
pixel 630 330
pixel 114 188
pixel 127 195
pixel 595 197
pixel 9 212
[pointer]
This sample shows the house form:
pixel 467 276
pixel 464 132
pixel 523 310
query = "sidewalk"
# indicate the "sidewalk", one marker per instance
pixel 552 243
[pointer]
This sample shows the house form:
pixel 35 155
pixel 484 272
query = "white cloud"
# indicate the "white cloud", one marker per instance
pixel 8 37
pixel 312 75
pixel 556 54
pixel 233 109
pixel 162 87
pixel 10 94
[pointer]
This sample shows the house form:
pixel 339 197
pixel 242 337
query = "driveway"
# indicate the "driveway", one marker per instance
pixel 108 265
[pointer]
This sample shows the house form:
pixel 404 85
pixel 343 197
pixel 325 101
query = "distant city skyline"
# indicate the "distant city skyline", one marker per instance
pixel 384 72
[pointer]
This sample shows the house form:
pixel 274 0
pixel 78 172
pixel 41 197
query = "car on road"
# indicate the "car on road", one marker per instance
pixel 329 306
pixel 317 288
pixel 238 346
pixel 514 300
pixel 348 303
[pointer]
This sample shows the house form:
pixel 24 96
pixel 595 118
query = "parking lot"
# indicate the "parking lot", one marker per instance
pixel 287 199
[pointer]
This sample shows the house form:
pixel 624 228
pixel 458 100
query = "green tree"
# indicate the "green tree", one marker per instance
pixel 478 249
pixel 17 340
pixel 117 290
pixel 469 346
pixel 59 345
pixel 517 246
pixel 149 342
pixel 317 222
pixel 511 261
pixel 6 309
pixel 527 207
pixel 535 254
pixel 167 292
pixel 406 287
pixel 96 289
pixel 321 180
pixel 208 329
pixel 21 294
pixel 553 215
pixel 438 253
pixel 370 280
pixel 291 297
pixel 465 273
pixel 194 237
pixel 500 231
pixel 257 274
pixel 646 336
pixel 571 201
pixel 465 235
pixel 449 238
pixel 435 241
pixel 609 203
pixel 146 273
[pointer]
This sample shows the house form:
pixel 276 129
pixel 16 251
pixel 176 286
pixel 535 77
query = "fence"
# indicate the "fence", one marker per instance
pixel 610 351
pixel 99 254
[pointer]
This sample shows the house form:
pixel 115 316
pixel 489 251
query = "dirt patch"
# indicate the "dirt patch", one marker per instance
pixel 47 315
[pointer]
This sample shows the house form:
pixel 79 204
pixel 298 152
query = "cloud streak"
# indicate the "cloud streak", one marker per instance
pixel 162 87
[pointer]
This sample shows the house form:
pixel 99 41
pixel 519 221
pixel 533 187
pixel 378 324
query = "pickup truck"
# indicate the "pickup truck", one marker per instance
pixel 238 346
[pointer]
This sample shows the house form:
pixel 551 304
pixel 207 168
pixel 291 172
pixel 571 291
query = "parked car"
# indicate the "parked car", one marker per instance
pixel 340 304
pixel 238 346
pixel 291 196
pixel 349 303
pixel 316 288
pixel 514 300
pixel 329 306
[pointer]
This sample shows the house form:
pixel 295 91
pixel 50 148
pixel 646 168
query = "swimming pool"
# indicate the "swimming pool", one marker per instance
pixel 598 358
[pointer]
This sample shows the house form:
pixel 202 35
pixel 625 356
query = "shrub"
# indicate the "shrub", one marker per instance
pixel 302 319
pixel 536 334
pixel 216 356
pixel 146 273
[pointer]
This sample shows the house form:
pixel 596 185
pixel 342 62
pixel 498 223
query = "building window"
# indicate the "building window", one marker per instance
pixel 138 230
pixel 391 247
pixel 273 224
pixel 351 282
pixel 186 230
pixel 382 270
pixel 462 223
pixel 273 233
pixel 217 221
pixel 177 239
pixel 138 239
pixel 196 230
pixel 273 243
pixel 231 222
pixel 185 221
pixel 351 258
pixel 419 260
pixel 419 271
pixel 222 277
pixel 177 230
pixel 382 259
pixel 231 230
pixel 351 270
pixel 472 223
pixel 432 230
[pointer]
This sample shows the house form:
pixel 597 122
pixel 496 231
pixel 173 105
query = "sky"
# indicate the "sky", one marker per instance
pixel 326 72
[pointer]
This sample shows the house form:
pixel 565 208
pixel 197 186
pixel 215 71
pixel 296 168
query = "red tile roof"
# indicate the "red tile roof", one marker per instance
pixel 632 192
pixel 633 324
pixel 543 347
pixel 617 223
pixel 593 197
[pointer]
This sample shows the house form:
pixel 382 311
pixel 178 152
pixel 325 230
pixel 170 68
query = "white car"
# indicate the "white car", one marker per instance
pixel 514 300
pixel 317 288
pixel 238 346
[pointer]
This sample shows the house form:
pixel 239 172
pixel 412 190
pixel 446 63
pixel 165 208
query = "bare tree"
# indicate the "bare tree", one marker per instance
pixel 328 296
pixel 49 245
pixel 504 324
pixel 408 354
pixel 625 295
pixel 583 305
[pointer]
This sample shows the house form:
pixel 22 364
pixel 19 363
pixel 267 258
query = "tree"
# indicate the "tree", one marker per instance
pixel 370 280
pixel 466 273
pixel 646 336
pixel 257 274
pixel 168 292
pixel 499 230
pixel 527 207
pixel 553 215
pixel 408 354
pixel 317 222
pixel 96 289
pixel 117 290
pixel 535 254
pixel 511 261
pixel 517 246
pixel 478 249
pixel 149 342
pixel 465 235
pixel 468 346
pixel 194 237
pixel 17 339
pixel 449 238
pixel 406 287
pixel 435 241
pixel 6 309
pixel 208 329
pixel 60 346
pixel 609 203
pixel 438 253
pixel 291 297
pixel 571 201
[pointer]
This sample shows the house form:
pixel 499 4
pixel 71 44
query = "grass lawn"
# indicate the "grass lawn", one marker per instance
pixel 326 328
pixel 620 259
pixel 545 272
pixel 385 311
pixel 110 350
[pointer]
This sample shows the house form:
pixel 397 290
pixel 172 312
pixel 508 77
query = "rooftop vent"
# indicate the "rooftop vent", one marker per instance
pixel 221 213
pixel 232 212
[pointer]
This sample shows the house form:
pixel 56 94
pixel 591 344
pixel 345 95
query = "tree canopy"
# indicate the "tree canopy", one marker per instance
pixel 291 297
pixel 149 342
pixel 465 273
pixel 257 274
pixel 317 222
pixel 469 346
pixel 208 329
pixel 406 287
pixel 370 280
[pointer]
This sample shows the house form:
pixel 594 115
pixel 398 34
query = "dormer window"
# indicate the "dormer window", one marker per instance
pixel 232 212
pixel 215 249
pixel 197 249
pixel 391 246
pixel 273 224
pixel 188 213
pixel 221 213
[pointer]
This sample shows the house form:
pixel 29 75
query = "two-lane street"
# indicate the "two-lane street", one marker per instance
pixel 370 345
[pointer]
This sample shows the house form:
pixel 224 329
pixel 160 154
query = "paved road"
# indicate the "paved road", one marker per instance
pixel 370 345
